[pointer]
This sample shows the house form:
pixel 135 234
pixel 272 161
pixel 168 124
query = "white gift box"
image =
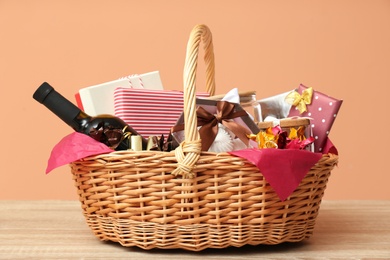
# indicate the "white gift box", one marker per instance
pixel 99 99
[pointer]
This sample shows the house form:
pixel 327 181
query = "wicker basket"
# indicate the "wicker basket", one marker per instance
pixel 190 199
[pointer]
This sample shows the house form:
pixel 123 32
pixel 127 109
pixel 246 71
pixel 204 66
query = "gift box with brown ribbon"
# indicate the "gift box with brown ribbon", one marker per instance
pixel 223 126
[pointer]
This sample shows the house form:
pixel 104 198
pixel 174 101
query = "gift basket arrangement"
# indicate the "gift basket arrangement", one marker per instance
pixel 217 177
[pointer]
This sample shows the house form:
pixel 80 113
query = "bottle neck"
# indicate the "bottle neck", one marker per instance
pixel 61 107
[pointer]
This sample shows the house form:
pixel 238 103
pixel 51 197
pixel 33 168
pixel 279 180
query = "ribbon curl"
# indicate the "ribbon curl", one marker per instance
pixel 108 135
pixel 300 101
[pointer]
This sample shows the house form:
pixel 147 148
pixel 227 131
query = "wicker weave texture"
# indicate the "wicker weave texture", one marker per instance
pixel 190 199
pixel 131 198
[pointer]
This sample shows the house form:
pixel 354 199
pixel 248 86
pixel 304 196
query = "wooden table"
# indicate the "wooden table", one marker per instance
pixel 57 230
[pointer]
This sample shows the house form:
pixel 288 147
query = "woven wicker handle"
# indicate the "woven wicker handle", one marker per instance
pixel 198 34
pixel 188 153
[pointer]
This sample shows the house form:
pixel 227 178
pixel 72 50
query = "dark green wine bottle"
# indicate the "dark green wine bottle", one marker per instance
pixel 107 129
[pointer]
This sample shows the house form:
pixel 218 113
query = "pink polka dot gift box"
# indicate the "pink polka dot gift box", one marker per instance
pixel 321 108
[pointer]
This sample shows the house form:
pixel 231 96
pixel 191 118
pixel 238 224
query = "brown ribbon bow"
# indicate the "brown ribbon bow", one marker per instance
pixel 209 123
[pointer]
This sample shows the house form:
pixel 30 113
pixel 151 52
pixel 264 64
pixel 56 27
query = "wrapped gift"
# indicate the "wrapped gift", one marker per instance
pixel 99 99
pixel 247 101
pixel 149 112
pixel 223 126
pixel 150 80
pixel 274 107
pixel 321 108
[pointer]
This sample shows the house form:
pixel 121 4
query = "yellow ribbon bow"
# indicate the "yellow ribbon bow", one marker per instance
pixel 300 101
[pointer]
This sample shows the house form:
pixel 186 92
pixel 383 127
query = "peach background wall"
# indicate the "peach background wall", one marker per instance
pixel 341 48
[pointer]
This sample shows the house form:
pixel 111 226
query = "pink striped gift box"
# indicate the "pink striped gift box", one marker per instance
pixel 149 112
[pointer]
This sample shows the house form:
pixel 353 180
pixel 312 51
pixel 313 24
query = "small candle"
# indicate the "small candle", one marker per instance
pixel 136 143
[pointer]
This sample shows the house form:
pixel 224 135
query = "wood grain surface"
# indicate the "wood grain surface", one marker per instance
pixel 57 230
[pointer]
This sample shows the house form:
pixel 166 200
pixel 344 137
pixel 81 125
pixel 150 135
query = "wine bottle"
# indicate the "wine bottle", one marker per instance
pixel 108 129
